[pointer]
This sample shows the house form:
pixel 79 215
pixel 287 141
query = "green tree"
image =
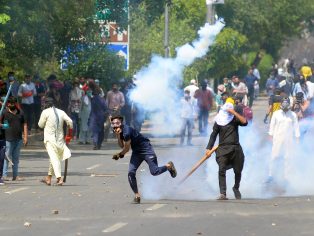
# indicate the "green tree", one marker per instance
pixel 39 30
pixel 267 23
pixel 96 61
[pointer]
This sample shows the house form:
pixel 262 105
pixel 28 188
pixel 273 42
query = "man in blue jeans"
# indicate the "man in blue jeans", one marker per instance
pixel 142 150
pixel 13 135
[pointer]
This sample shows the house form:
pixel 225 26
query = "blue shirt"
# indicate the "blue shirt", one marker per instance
pixel 139 143
pixel 249 81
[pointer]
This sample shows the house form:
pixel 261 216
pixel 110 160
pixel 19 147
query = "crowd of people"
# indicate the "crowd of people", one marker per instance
pixel 81 110
pixel 82 100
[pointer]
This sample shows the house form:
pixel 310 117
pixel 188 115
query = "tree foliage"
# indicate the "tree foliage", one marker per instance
pixel 97 62
pixel 39 31
pixel 267 23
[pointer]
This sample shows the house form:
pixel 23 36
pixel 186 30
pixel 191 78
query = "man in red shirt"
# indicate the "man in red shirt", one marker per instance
pixel 204 103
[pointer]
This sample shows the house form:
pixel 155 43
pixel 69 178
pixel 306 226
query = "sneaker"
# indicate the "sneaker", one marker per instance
pixel 189 144
pixel 222 197
pixel 137 200
pixel 172 169
pixel 1 182
pixel 237 193
pixel 80 143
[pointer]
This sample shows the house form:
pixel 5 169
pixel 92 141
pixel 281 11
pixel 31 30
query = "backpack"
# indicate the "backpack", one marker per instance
pixel 248 113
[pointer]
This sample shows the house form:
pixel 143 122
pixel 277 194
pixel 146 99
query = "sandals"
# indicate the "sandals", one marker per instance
pixel 59 183
pixel 44 180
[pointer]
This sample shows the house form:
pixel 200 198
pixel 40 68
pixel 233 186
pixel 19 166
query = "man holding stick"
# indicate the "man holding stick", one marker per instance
pixel 142 150
pixel 229 153
pixel 52 120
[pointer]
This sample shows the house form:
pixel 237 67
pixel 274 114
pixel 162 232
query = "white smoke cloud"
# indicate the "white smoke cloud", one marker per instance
pixel 156 89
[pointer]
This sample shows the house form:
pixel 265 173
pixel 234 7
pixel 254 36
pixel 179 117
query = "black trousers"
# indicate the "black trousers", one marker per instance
pixel 28 110
pixel 235 160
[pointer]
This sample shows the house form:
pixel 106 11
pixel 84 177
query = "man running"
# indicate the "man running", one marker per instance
pixel 142 150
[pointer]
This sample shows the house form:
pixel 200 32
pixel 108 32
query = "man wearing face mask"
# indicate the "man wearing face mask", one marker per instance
pixel 188 113
pixel 284 130
pixel 142 150
pixel 27 91
pixel 13 135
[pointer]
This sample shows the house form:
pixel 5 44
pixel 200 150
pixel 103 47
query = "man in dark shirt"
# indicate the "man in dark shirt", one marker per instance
pixel 142 150
pixel 13 135
pixel 229 153
pixel 249 81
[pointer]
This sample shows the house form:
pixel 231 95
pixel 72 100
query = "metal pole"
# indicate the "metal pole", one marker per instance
pixel 128 45
pixel 166 42
pixel 210 15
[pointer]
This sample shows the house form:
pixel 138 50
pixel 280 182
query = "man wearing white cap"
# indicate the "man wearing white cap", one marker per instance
pixel 229 153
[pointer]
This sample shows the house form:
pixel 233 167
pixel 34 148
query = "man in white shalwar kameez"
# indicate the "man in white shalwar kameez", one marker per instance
pixel 284 129
pixel 52 120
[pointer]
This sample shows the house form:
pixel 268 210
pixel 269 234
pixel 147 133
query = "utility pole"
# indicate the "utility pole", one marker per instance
pixel 166 41
pixel 211 13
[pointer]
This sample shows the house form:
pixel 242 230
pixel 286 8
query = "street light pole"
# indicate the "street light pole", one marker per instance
pixel 166 41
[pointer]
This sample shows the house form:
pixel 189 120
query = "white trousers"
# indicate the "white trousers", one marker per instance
pixel 56 156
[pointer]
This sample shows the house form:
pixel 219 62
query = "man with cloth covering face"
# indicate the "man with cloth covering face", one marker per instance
pixel 142 150
pixel 229 153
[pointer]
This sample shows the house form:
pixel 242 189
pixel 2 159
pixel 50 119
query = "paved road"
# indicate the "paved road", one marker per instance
pixel 96 199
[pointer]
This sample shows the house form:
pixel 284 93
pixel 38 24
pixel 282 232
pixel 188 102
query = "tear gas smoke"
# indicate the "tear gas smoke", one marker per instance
pixel 157 93
pixel 203 184
pixel 156 89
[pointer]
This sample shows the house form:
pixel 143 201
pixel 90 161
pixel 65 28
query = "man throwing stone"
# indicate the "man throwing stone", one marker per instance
pixel 142 150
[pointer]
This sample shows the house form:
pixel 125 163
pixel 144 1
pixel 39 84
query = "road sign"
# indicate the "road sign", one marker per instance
pixel 122 50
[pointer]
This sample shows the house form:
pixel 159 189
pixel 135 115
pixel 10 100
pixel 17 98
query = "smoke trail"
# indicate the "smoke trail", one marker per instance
pixel 156 89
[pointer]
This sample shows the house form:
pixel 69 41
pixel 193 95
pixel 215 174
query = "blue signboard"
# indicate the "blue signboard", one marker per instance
pixel 121 50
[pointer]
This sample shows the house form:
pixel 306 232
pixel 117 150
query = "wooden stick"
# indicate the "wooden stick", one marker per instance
pixel 200 162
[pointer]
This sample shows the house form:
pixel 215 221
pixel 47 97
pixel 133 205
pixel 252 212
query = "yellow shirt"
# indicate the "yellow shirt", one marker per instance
pixel 306 71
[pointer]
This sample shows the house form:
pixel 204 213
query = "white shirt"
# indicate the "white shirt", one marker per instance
pixel 192 88
pixel 24 88
pixel 188 108
pixel 310 87
pixel 53 130
pixel 256 74
pixel 284 126
pixel 297 89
